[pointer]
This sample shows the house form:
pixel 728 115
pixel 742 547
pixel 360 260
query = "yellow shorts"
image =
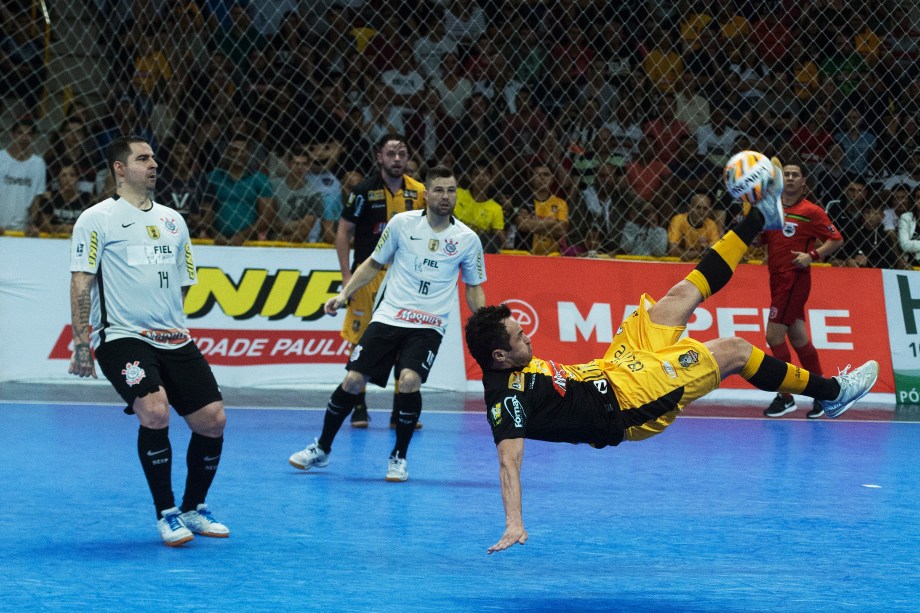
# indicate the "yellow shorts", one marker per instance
pixel 360 308
pixel 654 373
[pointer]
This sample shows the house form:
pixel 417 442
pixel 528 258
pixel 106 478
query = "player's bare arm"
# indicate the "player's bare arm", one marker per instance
pixel 824 252
pixel 364 274
pixel 343 237
pixel 510 457
pixel 81 362
pixel 475 297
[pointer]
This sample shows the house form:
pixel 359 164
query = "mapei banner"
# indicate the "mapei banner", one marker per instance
pixel 571 308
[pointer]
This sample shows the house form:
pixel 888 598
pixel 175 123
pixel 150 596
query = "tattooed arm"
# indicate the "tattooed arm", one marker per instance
pixel 81 363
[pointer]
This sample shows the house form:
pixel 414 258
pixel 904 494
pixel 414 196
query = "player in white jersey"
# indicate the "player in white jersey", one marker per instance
pixel 131 262
pixel 425 249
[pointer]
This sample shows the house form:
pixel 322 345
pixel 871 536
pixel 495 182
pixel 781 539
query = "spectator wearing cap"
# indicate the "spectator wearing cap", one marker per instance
pixel 22 179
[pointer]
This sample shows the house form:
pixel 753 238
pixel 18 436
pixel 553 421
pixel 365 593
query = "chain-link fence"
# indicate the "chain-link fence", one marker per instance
pixel 580 127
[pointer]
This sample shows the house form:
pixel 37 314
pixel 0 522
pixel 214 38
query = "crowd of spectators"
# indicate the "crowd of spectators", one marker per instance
pixel 585 128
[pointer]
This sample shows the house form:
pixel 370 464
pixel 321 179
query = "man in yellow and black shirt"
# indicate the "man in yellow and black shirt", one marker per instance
pixel 644 380
pixel 369 207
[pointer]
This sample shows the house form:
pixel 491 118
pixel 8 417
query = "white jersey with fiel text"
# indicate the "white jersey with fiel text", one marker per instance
pixel 420 286
pixel 141 260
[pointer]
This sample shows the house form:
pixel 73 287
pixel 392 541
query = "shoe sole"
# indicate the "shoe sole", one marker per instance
pixel 780 414
pixel 397 479
pixel 302 467
pixel 359 424
pixel 215 535
pixel 181 541
pixel 815 415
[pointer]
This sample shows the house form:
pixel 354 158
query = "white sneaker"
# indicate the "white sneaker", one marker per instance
pixel 310 457
pixel 200 521
pixel 771 205
pixel 397 469
pixel 172 529
pixel 853 385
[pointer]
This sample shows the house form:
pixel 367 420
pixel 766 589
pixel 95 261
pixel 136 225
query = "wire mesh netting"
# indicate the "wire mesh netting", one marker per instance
pixel 579 127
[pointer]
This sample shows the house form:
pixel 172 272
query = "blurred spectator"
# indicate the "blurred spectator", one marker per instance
pixel 476 208
pixel 556 89
pixel 521 133
pixel 152 69
pixel 499 85
pixel 389 44
pixel 381 118
pixel 580 126
pixel 693 232
pixel 270 13
pixel 664 129
pixel 872 99
pixel 545 218
pixel 770 36
pixel 894 148
pixel 529 56
pixel 690 104
pixel 476 135
pixel 431 47
pixel 191 49
pixel 403 85
pixel 866 42
pixel 572 47
pixel 610 204
pixel 813 138
pixel 185 189
pixel 429 130
pixel 297 206
pixel 646 173
pixel 697 20
pixel 690 171
pixel 895 203
pixel 842 65
pixel 598 86
pixel 709 61
pixel 718 139
pixel 452 86
pixel 22 179
pixel 480 57
pixel 68 143
pixel 645 235
pixel 867 243
pixel 238 37
pixel 57 210
pixel 625 129
pixel 243 198
pixel 831 176
pixel 857 141
pixel 663 63
pixel 753 73
pixel 338 39
pixel 464 21
pixel 123 120
pixel 909 231
pixel 902 39
pixel 22 64
pixel 806 77
pixel 909 175
pixel 322 179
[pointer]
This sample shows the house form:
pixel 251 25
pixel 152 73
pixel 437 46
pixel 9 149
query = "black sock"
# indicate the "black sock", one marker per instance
pixel 202 457
pixel 748 228
pixel 360 401
pixel 340 405
pixel 408 408
pixel 155 453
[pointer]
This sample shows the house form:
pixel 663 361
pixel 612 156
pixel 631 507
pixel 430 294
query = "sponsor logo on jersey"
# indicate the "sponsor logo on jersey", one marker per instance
pixel 410 194
pixel 383 239
pixel 668 369
pixel 376 195
pixel 560 377
pixel 170 224
pixel 133 373
pixel 515 410
pixel 78 250
pixel 153 232
pixel 433 245
pixel 688 359
pixel 495 414
pixel 414 316
pixel 516 381
pixel 450 247
pixel 167 337
pixel 93 248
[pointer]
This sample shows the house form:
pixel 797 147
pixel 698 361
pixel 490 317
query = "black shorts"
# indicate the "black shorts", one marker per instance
pixel 136 368
pixel 382 346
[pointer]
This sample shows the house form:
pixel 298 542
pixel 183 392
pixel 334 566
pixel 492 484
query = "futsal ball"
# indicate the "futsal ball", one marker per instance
pixel 748 175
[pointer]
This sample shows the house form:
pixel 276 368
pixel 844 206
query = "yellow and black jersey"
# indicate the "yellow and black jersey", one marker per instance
pixel 553 402
pixel 371 205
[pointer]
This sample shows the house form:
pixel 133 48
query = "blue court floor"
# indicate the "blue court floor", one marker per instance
pixel 717 514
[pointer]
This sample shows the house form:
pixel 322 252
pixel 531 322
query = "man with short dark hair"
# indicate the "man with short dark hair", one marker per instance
pixel 425 249
pixel 22 179
pixel 131 262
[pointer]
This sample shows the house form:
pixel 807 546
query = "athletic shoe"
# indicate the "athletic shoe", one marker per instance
pixel 780 406
pixel 815 412
pixel 310 457
pixel 397 469
pixel 359 417
pixel 418 424
pixel 200 521
pixel 853 385
pixel 771 205
pixel 172 529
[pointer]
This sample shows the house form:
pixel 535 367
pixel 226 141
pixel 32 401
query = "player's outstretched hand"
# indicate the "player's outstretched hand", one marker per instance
pixel 82 363
pixel 510 537
pixel 334 304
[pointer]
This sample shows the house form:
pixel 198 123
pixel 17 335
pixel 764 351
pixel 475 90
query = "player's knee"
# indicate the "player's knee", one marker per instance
pixel 739 352
pixel 409 381
pixel 354 382
pixel 213 420
pixel 152 409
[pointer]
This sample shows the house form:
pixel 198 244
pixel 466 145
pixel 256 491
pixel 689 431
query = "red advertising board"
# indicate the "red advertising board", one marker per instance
pixel 572 307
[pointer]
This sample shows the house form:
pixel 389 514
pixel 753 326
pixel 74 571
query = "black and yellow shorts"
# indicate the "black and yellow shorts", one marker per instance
pixel 360 309
pixel 654 373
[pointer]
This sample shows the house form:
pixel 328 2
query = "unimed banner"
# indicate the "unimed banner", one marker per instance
pixel 571 308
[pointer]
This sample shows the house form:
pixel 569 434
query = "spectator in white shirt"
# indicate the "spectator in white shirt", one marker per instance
pixel 22 180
